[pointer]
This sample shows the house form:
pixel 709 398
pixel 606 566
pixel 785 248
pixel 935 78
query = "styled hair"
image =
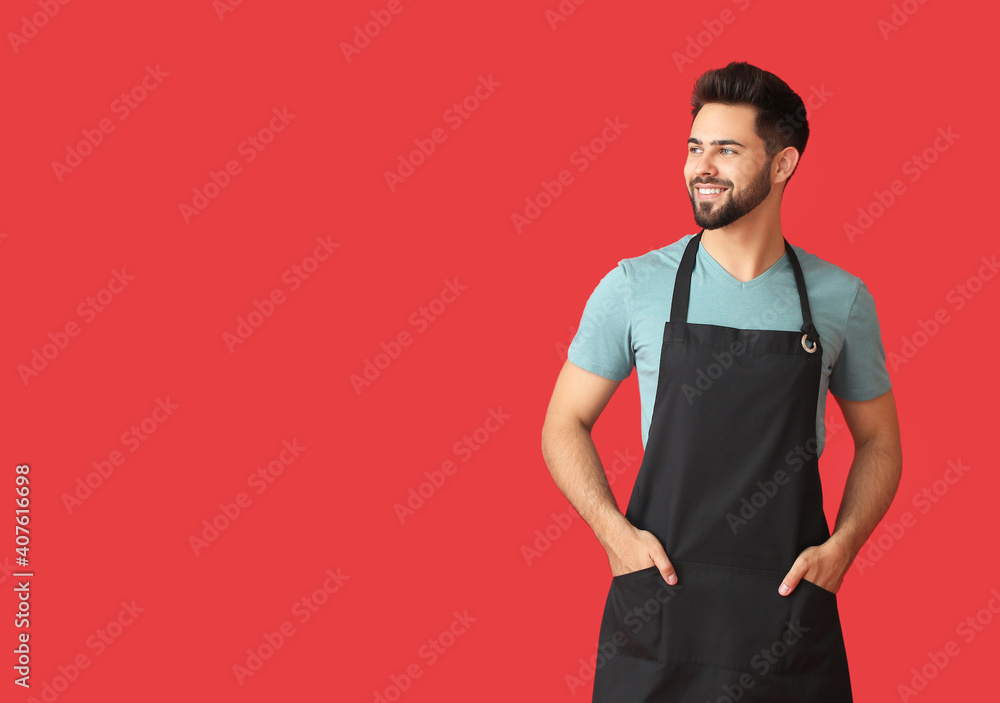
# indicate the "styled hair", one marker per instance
pixel 781 114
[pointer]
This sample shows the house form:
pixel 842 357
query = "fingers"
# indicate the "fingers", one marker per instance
pixel 666 568
pixel 792 578
pixel 658 555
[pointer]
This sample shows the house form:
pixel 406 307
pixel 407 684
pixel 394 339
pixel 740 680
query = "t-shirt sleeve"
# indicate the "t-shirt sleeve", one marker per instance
pixel 603 342
pixel 860 372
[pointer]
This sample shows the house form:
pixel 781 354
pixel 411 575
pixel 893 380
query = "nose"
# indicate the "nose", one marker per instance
pixel 705 166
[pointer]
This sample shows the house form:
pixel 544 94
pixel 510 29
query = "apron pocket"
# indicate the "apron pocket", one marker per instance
pixel 633 616
pixel 816 618
pixel 818 588
pixel 734 618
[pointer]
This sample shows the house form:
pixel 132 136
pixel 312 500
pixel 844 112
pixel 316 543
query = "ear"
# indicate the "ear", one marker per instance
pixel 784 164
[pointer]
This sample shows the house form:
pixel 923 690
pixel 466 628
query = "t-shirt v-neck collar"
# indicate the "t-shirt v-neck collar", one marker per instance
pixel 705 258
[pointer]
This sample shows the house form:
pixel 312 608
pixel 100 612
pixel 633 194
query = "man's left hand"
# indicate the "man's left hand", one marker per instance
pixel 824 565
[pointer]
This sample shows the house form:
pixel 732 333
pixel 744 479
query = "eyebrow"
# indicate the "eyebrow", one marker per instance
pixel 717 142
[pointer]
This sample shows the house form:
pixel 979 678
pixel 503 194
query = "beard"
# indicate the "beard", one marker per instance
pixel 714 214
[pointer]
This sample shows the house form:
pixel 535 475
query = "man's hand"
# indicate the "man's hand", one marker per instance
pixel 824 565
pixel 871 485
pixel 631 549
pixel 578 399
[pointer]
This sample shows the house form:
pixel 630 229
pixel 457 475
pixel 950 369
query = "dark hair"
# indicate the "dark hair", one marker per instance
pixel 781 114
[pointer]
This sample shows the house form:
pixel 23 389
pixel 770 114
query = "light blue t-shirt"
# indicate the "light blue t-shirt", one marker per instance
pixel 622 323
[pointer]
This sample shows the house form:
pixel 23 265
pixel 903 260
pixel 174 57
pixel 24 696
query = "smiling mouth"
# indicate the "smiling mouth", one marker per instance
pixel 709 192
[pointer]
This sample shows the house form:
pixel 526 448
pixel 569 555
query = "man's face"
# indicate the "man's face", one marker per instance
pixel 725 152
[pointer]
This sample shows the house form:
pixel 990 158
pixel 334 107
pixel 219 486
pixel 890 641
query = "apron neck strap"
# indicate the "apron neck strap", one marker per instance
pixel 807 322
pixel 682 286
pixel 682 282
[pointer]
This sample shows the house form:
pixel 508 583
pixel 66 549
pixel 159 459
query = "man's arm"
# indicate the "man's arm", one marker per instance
pixel 870 488
pixel 577 401
pixel 875 471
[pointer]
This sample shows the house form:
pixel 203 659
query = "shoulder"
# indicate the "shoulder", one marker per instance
pixel 656 262
pixel 827 281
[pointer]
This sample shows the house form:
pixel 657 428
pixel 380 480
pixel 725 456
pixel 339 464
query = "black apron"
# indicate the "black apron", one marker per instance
pixel 730 485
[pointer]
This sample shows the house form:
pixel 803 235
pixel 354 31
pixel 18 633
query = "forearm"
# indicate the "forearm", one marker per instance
pixel 870 488
pixel 573 461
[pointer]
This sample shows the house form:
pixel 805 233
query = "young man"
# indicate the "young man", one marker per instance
pixel 724 571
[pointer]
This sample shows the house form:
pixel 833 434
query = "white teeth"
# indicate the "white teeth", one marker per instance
pixel 707 191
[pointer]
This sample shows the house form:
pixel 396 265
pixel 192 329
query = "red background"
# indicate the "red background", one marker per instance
pixel 499 344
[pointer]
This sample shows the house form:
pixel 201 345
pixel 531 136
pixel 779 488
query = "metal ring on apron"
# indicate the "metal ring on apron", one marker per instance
pixel 804 338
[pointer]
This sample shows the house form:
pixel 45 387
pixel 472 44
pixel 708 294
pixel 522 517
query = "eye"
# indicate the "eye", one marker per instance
pixel 731 151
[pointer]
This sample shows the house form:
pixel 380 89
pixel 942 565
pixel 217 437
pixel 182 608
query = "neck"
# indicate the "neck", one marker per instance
pixel 746 248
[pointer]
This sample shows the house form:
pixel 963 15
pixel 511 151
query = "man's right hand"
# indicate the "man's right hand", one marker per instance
pixel 568 448
pixel 632 549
